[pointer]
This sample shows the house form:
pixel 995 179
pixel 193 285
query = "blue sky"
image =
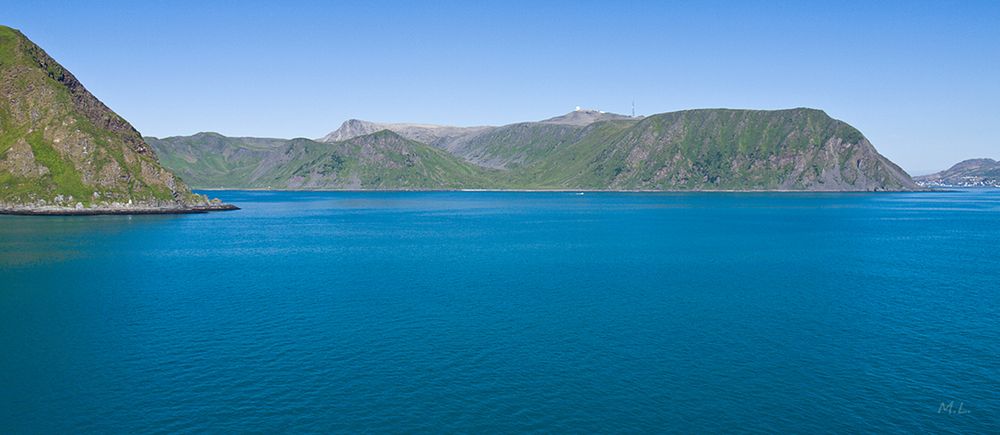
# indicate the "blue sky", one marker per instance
pixel 920 79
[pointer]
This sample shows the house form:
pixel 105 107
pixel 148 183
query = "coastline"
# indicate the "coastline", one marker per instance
pixel 98 211
pixel 562 190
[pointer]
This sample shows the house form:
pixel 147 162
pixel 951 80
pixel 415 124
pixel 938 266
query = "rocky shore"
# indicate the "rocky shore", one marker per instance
pixel 44 209
pixel 92 211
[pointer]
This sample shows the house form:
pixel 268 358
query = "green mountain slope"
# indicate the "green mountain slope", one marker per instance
pixel 213 160
pixel 516 145
pixel 381 160
pixel 60 146
pixel 503 147
pixel 721 149
pixel 707 149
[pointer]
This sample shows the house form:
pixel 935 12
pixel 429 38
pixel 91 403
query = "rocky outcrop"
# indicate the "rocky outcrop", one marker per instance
pixel 58 141
pixel 86 103
pixel 441 136
pixel 584 117
pixel 42 208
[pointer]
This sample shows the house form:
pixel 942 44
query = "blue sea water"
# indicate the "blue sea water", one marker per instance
pixel 508 312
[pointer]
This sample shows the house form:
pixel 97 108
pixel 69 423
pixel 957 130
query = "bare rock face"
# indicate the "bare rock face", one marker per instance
pixel 352 128
pixel 441 136
pixel 59 141
pixel 20 161
pixel 583 117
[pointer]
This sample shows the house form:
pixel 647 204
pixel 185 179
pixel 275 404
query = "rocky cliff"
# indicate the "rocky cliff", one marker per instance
pixel 61 149
pixel 719 149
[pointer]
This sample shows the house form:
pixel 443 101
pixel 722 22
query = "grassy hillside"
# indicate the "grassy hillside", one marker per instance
pixel 709 149
pixel 798 149
pixel 213 160
pixel 59 145
pixel 382 160
pixel 517 145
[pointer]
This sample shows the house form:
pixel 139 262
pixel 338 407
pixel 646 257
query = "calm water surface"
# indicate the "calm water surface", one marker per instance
pixel 508 312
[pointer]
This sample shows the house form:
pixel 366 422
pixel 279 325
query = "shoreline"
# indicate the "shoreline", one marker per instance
pixel 67 211
pixel 261 189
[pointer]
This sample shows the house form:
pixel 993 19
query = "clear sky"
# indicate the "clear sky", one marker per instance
pixel 920 79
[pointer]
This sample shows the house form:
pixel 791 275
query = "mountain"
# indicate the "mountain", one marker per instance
pixel 720 149
pixel 704 149
pixel 426 133
pixel 491 147
pixel 444 136
pixel 969 173
pixel 582 117
pixel 380 160
pixel 63 151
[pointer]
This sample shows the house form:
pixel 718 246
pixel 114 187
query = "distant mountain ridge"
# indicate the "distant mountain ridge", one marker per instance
pixel 380 160
pixel 968 173
pixel 583 117
pixel 425 133
pixel 476 144
pixel 702 149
